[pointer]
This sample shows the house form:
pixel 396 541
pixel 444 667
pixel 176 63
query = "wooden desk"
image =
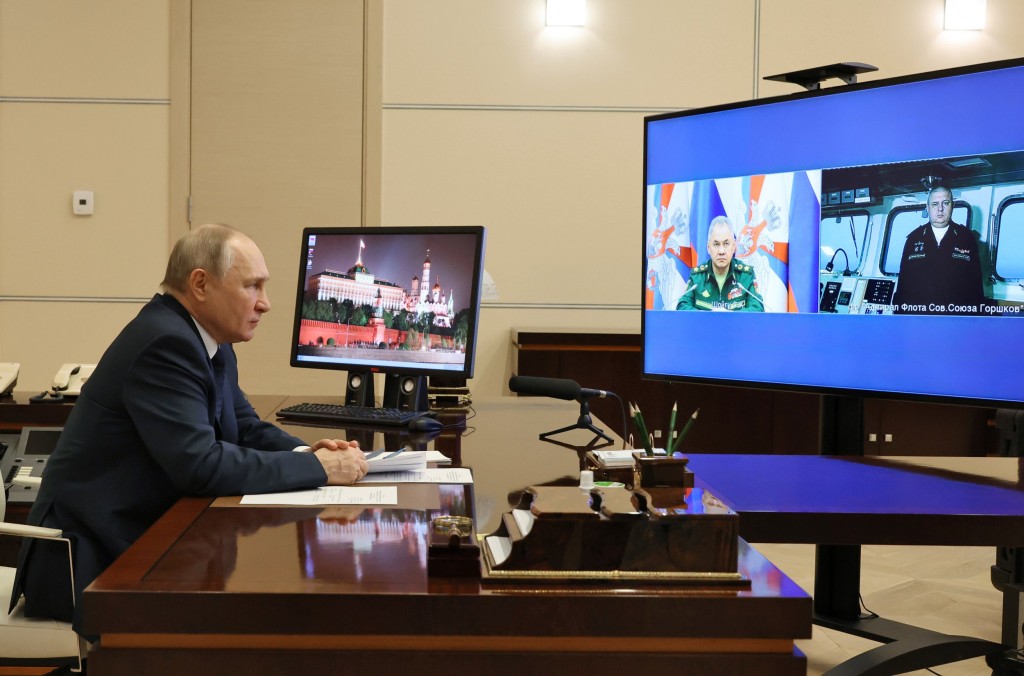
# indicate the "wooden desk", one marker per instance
pixel 17 411
pixel 214 588
pixel 840 503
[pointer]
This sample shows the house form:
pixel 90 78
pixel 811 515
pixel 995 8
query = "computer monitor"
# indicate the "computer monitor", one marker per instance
pixel 402 301
pixel 844 277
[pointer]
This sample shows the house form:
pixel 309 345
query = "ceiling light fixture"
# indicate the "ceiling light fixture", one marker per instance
pixel 566 13
pixel 965 15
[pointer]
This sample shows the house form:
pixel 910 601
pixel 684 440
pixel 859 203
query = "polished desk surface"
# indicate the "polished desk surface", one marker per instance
pixel 212 578
pixel 869 500
pixel 17 411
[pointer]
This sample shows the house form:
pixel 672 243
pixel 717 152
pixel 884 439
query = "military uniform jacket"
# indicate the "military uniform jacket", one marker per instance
pixel 940 278
pixel 739 292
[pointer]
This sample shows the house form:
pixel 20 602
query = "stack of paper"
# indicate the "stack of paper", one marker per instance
pixel 615 458
pixel 396 461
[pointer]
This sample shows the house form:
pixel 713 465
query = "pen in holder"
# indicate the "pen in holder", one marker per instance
pixel 661 470
pixel 673 438
pixel 641 429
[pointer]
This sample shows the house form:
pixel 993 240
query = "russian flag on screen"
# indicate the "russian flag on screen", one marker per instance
pixel 669 248
pixel 763 235
pixel 805 222
pixel 706 205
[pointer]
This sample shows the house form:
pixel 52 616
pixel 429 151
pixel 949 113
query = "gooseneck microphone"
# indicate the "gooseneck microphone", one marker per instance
pixel 556 388
pixel 569 390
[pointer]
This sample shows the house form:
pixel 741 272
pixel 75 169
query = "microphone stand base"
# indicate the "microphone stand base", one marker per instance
pixel 584 422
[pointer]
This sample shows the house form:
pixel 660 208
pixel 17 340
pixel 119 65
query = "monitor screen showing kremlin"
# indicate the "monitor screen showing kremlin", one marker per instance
pixel 390 300
pixel 857 239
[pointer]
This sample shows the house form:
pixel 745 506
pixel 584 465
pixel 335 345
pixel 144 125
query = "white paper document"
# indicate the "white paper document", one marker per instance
pixel 438 457
pixel 439 475
pixel 615 458
pixel 396 461
pixel 329 495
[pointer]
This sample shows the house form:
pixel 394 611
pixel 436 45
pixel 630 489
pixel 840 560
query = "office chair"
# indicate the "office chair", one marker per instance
pixel 27 643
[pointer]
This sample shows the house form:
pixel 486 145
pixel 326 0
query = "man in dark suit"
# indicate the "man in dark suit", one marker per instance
pixel 163 417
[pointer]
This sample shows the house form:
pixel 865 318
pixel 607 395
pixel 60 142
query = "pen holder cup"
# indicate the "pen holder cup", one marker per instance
pixel 661 471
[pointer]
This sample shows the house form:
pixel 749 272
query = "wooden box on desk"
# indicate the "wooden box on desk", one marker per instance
pixel 566 534
pixel 625 470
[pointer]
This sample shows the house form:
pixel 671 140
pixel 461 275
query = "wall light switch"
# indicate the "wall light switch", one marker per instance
pixel 82 203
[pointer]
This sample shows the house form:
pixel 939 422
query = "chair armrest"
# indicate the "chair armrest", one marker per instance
pixel 25 531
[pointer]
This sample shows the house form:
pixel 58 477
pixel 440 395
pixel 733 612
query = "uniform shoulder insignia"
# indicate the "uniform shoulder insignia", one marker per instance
pixel 701 268
pixel 743 267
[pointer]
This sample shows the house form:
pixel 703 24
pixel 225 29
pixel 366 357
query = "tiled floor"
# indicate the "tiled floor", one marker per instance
pixel 944 589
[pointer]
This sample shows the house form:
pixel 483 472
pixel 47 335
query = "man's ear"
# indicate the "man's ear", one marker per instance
pixel 198 282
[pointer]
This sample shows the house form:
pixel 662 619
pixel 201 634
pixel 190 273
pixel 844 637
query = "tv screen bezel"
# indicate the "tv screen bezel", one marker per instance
pixel 648 373
pixel 402 368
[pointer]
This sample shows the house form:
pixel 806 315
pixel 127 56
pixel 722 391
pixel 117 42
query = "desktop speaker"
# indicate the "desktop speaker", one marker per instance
pixel 406 393
pixel 359 389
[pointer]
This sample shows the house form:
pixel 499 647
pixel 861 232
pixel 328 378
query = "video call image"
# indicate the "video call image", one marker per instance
pixel 730 244
pixel 929 237
pixel 388 298
pixel 941 236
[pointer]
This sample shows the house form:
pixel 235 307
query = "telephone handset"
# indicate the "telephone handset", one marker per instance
pixel 67 382
pixel 71 377
pixel 8 377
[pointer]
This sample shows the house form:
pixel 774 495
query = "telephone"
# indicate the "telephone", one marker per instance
pixel 8 378
pixel 71 377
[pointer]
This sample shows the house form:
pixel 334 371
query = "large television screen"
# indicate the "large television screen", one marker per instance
pixel 399 300
pixel 866 238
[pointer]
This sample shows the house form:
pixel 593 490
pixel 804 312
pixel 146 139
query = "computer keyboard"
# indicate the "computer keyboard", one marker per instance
pixel 340 414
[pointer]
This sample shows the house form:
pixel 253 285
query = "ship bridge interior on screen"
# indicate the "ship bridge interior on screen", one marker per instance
pixel 868 215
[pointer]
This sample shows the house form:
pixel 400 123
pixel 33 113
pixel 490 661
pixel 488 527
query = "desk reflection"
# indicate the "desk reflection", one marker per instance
pixel 337 544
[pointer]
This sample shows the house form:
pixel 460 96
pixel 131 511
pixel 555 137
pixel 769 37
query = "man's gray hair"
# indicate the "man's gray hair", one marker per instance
pixel 205 247
pixel 720 220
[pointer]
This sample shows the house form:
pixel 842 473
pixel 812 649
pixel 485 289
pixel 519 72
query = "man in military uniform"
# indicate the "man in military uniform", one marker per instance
pixel 723 283
pixel 940 271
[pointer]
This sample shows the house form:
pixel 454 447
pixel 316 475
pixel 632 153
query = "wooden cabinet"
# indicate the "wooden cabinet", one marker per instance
pixel 893 427
pixel 731 420
pixel 741 420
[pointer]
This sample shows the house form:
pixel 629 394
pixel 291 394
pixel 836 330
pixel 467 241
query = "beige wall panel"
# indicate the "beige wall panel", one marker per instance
pixel 49 150
pixel 559 192
pixel 277 144
pixel 646 53
pixel 41 336
pixel 495 358
pixel 96 49
pixel 900 38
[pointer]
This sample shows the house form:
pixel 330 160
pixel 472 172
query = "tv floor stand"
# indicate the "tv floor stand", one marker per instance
pixel 837 584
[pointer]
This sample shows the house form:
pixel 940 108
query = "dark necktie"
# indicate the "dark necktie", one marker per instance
pixel 224 410
pixel 218 383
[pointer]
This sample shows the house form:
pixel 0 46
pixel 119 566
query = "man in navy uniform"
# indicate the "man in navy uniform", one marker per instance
pixel 723 283
pixel 940 271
